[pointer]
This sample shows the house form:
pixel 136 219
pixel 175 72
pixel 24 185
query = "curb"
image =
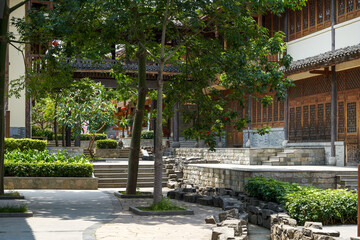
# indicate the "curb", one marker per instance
pixel 137 211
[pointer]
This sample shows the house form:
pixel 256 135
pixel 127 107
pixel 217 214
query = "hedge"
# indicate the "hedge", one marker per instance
pixel 46 169
pixel 48 133
pixel 106 144
pixel 43 156
pixel 12 144
pixel 98 136
pixel 307 203
pixel 147 134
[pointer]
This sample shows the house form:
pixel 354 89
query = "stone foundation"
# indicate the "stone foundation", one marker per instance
pixel 273 139
pixel 228 176
pixel 67 183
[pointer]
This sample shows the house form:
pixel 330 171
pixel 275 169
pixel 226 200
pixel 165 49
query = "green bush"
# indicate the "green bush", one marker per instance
pixel 12 144
pixel 48 133
pixel 34 163
pixel 269 189
pixel 147 134
pixel 48 169
pixel 85 136
pixel 307 203
pixel 106 144
pixel 327 206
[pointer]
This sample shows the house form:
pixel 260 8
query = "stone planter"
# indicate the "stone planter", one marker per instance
pixel 143 142
pixel 113 153
pixel 141 195
pixel 140 212
pixel 6 197
pixel 22 215
pixel 67 183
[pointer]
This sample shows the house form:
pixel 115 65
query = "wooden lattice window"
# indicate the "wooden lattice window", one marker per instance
pixel 350 6
pixel 264 114
pixel 253 111
pixel 312 12
pixel 298 21
pixel 321 125
pixel 328 120
pixel 341 117
pixel 341 81
pixel 298 122
pixel 324 84
pixel 282 113
pixel 292 22
pixel 320 13
pixel 305 17
pixel 341 7
pixel 305 122
pixel 327 10
pixel 258 111
pixel 351 117
pixel 352 80
pixel 292 124
pixel 270 113
pixel 312 122
pixel 276 110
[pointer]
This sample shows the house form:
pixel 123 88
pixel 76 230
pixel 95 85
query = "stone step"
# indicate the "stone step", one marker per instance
pixel 123 174
pixel 124 180
pixel 123 185
pixel 120 166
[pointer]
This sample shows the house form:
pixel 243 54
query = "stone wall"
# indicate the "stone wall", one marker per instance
pixel 224 155
pixel 339 149
pixel 273 139
pixel 256 156
pixel 236 179
pixel 69 150
pixel 68 183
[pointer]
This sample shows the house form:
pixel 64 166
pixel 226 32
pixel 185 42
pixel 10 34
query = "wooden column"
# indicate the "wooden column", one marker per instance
pixel 286 105
pixel 333 83
pixel 249 116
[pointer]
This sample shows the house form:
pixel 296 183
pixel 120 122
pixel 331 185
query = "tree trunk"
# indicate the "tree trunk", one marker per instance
pixel 68 136
pixel 56 127
pixel 158 138
pixel 4 23
pixel 63 136
pixel 139 116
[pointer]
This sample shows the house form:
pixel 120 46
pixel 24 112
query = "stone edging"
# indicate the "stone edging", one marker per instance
pixel 137 211
pixel 142 195
pixel 17 214
pixel 5 197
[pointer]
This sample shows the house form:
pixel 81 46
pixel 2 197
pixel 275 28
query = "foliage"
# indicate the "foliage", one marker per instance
pixel 12 144
pixel 327 206
pixel 42 114
pixel 48 169
pixel 307 203
pixel 37 131
pixel 34 163
pixel 164 205
pixel 98 136
pixel 13 209
pixel 106 144
pixel 12 193
pixel 147 134
pixel 43 156
pixel 269 189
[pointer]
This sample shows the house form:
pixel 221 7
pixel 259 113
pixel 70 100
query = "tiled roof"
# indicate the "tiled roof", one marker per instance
pixel 326 59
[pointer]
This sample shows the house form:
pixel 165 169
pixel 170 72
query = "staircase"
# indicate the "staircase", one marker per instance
pixel 347 181
pixel 114 175
pixel 279 159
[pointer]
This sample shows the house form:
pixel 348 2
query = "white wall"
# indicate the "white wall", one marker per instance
pixel 346 34
pixel 16 70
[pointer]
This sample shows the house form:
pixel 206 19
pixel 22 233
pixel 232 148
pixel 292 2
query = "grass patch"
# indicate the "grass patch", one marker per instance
pixel 13 209
pixel 164 205
pixel 12 194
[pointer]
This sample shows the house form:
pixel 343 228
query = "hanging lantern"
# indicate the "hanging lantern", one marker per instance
pixel 123 109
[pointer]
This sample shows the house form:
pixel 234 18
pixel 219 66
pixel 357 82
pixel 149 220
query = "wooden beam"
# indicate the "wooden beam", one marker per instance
pixel 325 72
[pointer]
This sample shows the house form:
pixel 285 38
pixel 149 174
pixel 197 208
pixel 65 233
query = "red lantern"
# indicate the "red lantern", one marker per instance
pixel 123 109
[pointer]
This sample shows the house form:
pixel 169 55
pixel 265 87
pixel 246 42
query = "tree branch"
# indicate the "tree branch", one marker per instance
pixel 17 6
pixel 20 42
pixel 148 52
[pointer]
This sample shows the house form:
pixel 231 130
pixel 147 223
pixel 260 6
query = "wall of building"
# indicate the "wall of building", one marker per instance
pixel 346 34
pixel 16 70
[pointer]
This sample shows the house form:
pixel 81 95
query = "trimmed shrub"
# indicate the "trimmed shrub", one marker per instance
pixel 12 144
pixel 98 136
pixel 147 134
pixel 269 189
pixel 307 203
pixel 106 144
pixel 48 133
pixel 327 206
pixel 34 163
pixel 48 169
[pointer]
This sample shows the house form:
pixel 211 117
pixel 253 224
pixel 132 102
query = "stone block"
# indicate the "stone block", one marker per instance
pixel 206 201
pixel 224 232
pixel 317 225
pixel 191 197
pixel 210 220
pixel 233 213
pixel 233 223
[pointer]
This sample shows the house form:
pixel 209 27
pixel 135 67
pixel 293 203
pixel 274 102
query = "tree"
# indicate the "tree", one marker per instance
pixel 87 103
pixel 211 41
pixel 5 39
